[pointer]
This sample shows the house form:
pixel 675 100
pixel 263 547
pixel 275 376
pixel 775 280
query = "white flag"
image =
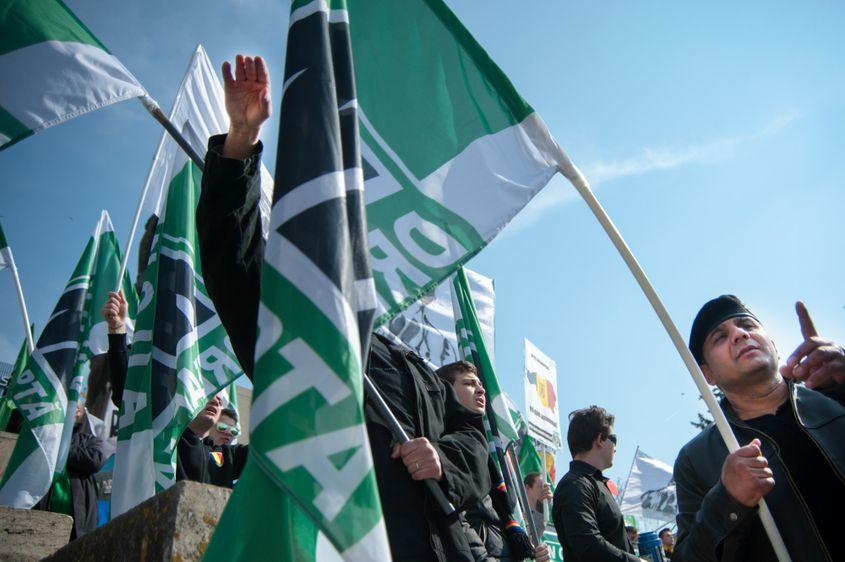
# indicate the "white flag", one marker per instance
pixel 650 491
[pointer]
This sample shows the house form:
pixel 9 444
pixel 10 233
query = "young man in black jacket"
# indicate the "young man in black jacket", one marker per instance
pixel 449 446
pixel 795 444
pixel 198 458
pixel 587 518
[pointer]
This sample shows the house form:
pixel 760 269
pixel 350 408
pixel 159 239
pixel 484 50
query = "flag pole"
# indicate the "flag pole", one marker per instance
pixel 399 434
pixel 545 479
pixel 153 108
pixel 574 175
pixel 628 480
pixel 30 344
pixel 527 511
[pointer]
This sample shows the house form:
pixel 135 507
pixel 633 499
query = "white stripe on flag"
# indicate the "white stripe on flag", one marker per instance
pixel 313 192
pixel 71 79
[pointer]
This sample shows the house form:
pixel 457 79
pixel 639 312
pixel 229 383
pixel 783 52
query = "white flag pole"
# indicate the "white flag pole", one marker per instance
pixel 153 108
pixel 545 479
pixel 30 344
pixel 574 175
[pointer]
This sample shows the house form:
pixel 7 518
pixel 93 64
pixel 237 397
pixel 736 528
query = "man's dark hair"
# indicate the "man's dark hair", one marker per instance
pixel 585 425
pixel 630 528
pixel 449 371
pixel 229 412
pixel 663 532
pixel 531 478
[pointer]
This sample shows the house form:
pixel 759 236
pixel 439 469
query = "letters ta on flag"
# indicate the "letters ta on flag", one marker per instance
pixel 310 467
pixel 53 69
pixel 48 388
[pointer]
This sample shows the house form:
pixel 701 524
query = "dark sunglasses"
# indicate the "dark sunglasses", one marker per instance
pixel 612 438
pixel 231 429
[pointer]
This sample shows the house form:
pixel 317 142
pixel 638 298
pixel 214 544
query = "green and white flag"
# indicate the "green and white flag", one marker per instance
pixel 7 406
pixel 474 349
pixel 53 69
pixel 451 151
pixel 6 258
pixel 310 468
pixel 181 355
pixel 47 390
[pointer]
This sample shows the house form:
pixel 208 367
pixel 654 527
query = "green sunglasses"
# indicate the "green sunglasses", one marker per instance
pixel 226 428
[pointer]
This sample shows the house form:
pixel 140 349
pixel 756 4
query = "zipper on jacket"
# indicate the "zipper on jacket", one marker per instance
pixel 794 488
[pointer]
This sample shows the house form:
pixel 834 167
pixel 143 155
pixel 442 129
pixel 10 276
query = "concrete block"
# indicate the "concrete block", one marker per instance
pixel 27 535
pixel 175 525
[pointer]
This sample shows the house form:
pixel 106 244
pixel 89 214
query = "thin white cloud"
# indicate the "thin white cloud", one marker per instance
pixel 647 161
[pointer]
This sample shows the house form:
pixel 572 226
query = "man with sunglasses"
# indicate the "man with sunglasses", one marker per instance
pixel 200 457
pixel 587 518
pixel 226 430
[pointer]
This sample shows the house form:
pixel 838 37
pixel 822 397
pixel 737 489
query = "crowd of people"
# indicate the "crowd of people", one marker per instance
pixel 789 420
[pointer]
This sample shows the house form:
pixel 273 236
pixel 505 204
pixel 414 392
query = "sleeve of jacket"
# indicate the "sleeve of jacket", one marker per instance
pixel 463 454
pixel 118 358
pixel 87 454
pixel 575 514
pixel 705 517
pixel 231 243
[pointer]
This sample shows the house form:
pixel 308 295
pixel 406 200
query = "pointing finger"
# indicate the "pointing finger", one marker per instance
pixel 808 330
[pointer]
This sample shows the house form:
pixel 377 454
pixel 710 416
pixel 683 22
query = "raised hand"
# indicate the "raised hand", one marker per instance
pixel 114 312
pixel 746 474
pixel 247 103
pixel 818 362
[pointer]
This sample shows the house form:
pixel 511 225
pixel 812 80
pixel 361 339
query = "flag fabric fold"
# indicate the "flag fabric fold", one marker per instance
pixel 49 387
pixel 310 466
pixel 442 130
pixel 53 69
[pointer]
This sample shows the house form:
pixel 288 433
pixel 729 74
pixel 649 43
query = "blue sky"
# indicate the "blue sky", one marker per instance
pixel 712 134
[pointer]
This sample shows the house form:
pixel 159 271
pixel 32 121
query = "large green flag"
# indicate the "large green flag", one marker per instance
pixel 47 390
pixel 451 152
pixel 53 69
pixel 310 466
pixel 182 354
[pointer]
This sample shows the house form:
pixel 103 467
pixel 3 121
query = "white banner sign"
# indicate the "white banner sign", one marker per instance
pixel 428 325
pixel 541 397
pixel 650 491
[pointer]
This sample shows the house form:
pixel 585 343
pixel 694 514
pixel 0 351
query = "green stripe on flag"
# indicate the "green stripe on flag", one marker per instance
pixel 433 77
pixel 27 22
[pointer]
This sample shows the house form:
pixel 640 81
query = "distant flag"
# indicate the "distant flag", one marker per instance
pixel 7 406
pixel 47 390
pixel 310 467
pixel 650 489
pixel 53 69
pixel 181 355
pixel 451 152
pixel 6 257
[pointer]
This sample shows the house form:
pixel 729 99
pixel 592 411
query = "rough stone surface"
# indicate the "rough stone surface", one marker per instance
pixel 7 445
pixel 175 525
pixel 27 535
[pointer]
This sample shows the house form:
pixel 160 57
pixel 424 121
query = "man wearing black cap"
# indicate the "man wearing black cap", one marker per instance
pixel 795 443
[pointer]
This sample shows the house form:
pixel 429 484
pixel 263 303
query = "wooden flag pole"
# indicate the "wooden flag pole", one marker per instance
pixel 574 175
pixel 153 108
pixel 30 344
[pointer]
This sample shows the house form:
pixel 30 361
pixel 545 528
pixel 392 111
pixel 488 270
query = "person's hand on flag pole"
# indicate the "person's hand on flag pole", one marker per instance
pixel 247 93
pixel 420 458
pixel 541 553
pixel 746 474
pixel 820 363
pixel 114 312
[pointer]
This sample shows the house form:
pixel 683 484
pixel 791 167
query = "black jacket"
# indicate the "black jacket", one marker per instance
pixel 232 251
pixel 713 526
pixel 198 460
pixel 587 518
pixel 85 458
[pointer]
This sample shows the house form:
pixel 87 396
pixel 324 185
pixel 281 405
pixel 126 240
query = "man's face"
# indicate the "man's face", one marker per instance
pixel 79 413
pixel 470 392
pixel 221 432
pixel 606 449
pixel 739 352
pixel 668 539
pixel 633 535
pixel 211 412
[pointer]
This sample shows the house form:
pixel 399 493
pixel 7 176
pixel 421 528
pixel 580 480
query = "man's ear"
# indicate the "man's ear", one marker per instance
pixel 597 442
pixel 708 374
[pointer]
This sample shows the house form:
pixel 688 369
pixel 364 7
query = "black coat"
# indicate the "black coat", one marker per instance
pixel 86 457
pixel 232 252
